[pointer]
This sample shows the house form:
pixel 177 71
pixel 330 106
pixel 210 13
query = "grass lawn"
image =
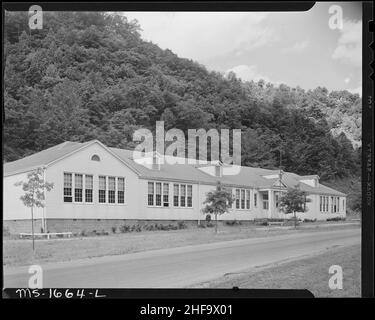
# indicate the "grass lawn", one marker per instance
pixel 19 252
pixel 309 273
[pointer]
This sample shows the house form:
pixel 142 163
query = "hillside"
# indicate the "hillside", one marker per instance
pixel 91 76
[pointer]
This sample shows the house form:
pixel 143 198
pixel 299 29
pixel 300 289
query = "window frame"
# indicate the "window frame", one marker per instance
pixel 164 192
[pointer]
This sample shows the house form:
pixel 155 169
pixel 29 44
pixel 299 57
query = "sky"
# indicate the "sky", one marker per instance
pixel 295 48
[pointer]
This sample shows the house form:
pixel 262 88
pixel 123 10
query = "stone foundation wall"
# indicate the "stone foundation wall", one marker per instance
pixel 89 225
pixel 18 226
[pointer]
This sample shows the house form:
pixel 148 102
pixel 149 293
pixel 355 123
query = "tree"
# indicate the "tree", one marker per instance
pixel 293 201
pixel 218 202
pixel 34 193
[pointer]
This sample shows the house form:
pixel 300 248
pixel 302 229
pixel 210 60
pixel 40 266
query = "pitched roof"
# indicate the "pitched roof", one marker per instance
pixel 42 158
pixel 248 176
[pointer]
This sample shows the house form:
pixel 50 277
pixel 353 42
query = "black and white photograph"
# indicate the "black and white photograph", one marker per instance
pixel 183 149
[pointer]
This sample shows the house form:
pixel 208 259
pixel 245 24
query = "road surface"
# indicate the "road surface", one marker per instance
pixel 183 266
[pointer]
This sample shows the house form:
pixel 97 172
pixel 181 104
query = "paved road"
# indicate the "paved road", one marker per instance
pixel 184 266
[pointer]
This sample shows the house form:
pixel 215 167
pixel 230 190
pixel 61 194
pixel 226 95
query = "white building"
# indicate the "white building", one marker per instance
pixel 97 187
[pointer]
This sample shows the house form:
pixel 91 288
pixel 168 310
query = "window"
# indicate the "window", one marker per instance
pixel 166 194
pixel 320 203
pixel 111 190
pixel 237 198
pixel 95 157
pixel 158 194
pixel 183 195
pixel 277 198
pixel 338 204
pixel 176 194
pixel 120 190
pixel 68 187
pixel 88 188
pixel 242 199
pixel 78 185
pixel 190 196
pixel 248 199
pixel 255 200
pixel 324 204
pixel 102 189
pixel 150 197
pixel 265 201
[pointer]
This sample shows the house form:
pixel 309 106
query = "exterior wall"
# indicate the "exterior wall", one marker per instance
pixel 81 162
pixel 61 216
pixel 13 207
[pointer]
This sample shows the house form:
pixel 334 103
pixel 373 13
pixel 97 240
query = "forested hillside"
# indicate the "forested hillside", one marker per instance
pixel 91 76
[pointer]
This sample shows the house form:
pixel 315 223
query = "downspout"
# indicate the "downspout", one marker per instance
pixel 44 220
pixel 199 204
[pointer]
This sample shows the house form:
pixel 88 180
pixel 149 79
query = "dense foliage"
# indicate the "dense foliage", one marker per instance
pixel 91 76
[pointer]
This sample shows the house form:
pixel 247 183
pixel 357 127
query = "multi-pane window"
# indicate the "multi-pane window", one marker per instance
pixel 165 194
pixel 183 195
pixel 265 201
pixel 176 194
pixel 88 188
pixel 237 198
pixel 111 189
pixel 158 194
pixel 78 186
pixel 120 190
pixel 68 187
pixel 242 199
pixel 189 195
pixel 324 204
pixel 102 189
pixel 150 197
pixel 247 199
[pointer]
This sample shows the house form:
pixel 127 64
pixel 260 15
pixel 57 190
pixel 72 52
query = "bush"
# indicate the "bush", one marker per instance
pixel 309 220
pixel 232 223
pixel 336 219
pixel 114 229
pixel 181 225
pixel 208 218
pixel 83 233
pixel 124 228
pixel 201 225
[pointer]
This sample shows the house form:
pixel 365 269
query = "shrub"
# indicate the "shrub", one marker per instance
pixel 201 225
pixel 309 220
pixel 336 219
pixel 181 225
pixel 124 228
pixel 232 223
pixel 208 218
pixel 114 229
pixel 83 233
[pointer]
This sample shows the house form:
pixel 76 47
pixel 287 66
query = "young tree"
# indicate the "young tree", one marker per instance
pixel 34 189
pixel 293 201
pixel 218 202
